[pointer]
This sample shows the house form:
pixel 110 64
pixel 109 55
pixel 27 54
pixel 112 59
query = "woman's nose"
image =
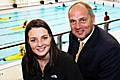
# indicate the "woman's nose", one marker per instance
pixel 39 43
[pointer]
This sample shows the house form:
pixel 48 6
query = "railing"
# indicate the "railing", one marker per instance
pixel 59 36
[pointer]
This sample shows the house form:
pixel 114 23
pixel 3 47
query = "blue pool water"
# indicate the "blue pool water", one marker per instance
pixel 55 16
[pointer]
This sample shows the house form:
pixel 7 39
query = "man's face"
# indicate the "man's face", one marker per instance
pixel 81 22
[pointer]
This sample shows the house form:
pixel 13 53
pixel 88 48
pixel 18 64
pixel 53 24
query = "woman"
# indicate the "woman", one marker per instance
pixel 43 60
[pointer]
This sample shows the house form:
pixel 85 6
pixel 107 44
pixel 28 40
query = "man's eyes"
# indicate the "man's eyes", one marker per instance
pixel 72 21
pixel 82 20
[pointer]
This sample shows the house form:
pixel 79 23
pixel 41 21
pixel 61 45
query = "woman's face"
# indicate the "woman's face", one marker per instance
pixel 40 41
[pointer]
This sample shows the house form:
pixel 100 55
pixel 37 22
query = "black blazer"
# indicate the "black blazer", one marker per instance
pixel 100 56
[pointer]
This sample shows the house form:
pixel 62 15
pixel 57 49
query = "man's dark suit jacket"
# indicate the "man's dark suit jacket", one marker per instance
pixel 100 56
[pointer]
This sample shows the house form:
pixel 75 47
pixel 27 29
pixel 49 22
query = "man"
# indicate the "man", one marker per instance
pixel 99 58
pixel 106 25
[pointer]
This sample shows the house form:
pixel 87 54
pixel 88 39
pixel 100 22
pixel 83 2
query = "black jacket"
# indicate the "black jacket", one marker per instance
pixel 64 68
pixel 100 56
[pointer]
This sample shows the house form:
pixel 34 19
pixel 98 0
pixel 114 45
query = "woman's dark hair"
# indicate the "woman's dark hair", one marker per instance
pixel 30 57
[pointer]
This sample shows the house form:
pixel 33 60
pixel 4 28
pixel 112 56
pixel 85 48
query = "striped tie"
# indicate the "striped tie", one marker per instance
pixel 78 53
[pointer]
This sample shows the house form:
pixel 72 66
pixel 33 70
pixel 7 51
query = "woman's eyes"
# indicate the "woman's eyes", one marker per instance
pixel 45 37
pixel 32 40
pixel 42 38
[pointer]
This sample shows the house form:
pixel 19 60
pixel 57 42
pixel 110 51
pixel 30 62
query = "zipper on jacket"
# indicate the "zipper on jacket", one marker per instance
pixel 42 76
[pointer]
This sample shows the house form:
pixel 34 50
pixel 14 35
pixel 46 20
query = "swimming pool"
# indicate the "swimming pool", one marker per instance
pixel 54 15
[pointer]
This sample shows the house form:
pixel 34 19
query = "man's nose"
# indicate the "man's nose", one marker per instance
pixel 78 24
